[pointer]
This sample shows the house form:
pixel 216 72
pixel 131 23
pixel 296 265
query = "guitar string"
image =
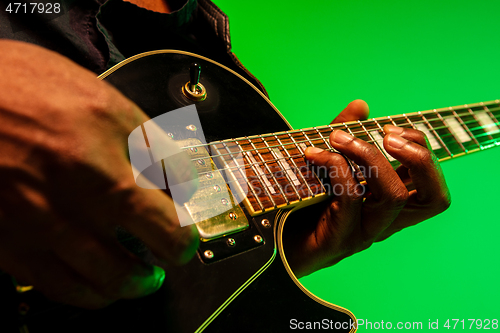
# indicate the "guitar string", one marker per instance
pixel 357 133
pixel 277 182
pixel 331 126
pixel 270 161
pixel 319 139
pixel 322 138
pixel 364 132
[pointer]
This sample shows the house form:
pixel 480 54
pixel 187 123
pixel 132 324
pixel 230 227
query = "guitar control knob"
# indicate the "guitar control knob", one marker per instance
pixel 193 89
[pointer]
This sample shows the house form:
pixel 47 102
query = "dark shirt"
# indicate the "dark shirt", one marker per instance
pixel 98 34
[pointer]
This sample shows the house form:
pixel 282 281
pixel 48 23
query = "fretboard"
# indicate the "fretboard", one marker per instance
pixel 270 169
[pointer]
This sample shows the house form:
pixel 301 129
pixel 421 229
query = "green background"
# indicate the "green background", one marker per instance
pixel 399 56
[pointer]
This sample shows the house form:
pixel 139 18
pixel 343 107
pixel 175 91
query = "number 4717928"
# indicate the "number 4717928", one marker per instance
pixel 484 324
pixel 33 7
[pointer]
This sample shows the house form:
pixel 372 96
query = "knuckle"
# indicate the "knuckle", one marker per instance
pixel 369 152
pixel 335 162
pixel 424 155
pixel 400 196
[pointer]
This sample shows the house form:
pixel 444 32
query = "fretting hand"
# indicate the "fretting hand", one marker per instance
pixel 352 221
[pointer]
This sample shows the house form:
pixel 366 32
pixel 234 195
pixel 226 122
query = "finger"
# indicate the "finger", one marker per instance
pixel 423 166
pixel 347 201
pixel 377 170
pixel 342 181
pixel 108 267
pixel 167 229
pixel 356 110
pixel 388 193
pixel 409 134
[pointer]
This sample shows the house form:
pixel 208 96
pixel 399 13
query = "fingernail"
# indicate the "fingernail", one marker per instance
pixel 396 141
pixel 313 150
pixel 158 277
pixel 393 129
pixel 341 137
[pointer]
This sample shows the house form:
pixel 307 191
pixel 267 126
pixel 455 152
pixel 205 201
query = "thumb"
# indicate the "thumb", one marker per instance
pixel 356 110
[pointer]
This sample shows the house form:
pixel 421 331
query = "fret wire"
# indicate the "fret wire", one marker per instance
pixel 338 125
pixel 465 127
pixel 392 121
pixel 297 168
pixel 410 122
pixel 436 135
pixel 268 169
pixel 456 139
pixel 490 113
pixel 380 127
pixel 370 141
pixel 477 121
pixel 332 128
pixel 485 134
pixel 352 133
pixel 308 139
pixel 446 127
pixel 439 137
pixel 374 141
pixel 256 150
pixel 261 175
pixel 285 171
pixel 277 183
pixel 265 165
pixel 228 181
pixel 301 155
pixel 495 141
pixel 348 129
pixel 303 152
pixel 354 166
pixel 264 186
pixel 466 122
pixel 325 141
pixel 243 175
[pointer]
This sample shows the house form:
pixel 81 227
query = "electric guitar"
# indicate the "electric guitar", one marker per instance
pixel 251 168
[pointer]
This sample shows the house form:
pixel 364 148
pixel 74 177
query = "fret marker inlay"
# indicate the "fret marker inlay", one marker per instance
pixel 457 130
pixel 285 166
pixel 432 139
pixel 256 168
pixel 485 120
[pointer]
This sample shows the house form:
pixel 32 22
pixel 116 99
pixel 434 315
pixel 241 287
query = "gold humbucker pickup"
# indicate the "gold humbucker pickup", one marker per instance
pixel 212 207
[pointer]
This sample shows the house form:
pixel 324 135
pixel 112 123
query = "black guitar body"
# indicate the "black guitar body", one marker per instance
pixel 252 288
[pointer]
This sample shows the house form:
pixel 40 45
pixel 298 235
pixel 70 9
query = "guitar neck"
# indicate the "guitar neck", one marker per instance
pixel 270 169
